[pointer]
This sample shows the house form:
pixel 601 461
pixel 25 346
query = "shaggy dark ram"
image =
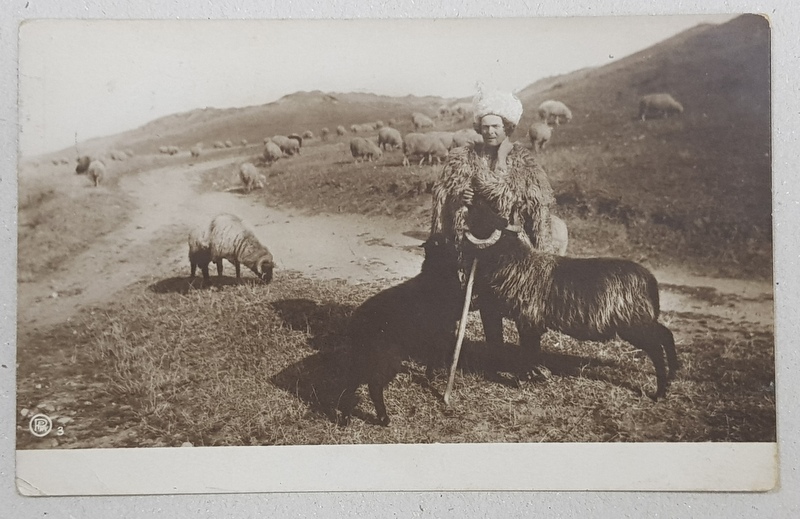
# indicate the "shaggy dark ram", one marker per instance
pixel 586 298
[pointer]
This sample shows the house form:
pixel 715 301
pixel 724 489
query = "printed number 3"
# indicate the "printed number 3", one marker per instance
pixel 60 431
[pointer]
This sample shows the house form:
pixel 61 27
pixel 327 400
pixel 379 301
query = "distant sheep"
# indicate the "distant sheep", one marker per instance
pixel 83 164
pixel 56 162
pixel 377 125
pixel 289 146
pixel 298 138
pixel 446 138
pixel 443 112
pixel 228 144
pixel 461 111
pixel 174 150
pixel 243 142
pixel 389 138
pixel 272 152
pixel 228 237
pixel 308 134
pixel 423 145
pixel 589 299
pixel 64 161
pixel 362 148
pixel 466 137
pixel 540 134
pixel 219 144
pixel 324 133
pixel 118 155
pixel 421 121
pixel 554 112
pixel 250 177
pixel 163 149
pixel 96 171
pixel 195 151
pixel 415 318
pixel 658 104
pixel 340 130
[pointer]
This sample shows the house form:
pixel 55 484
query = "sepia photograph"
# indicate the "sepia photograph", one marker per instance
pixel 277 241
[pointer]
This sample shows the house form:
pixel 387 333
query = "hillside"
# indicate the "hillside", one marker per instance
pixel 705 175
pixel 292 113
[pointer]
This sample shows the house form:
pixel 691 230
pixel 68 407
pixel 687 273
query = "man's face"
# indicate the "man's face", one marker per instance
pixel 492 130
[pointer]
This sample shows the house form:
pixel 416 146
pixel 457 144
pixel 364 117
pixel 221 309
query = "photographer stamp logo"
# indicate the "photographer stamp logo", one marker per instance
pixel 40 425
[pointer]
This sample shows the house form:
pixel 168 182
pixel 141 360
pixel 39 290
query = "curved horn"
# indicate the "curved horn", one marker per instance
pixel 260 264
pixel 483 244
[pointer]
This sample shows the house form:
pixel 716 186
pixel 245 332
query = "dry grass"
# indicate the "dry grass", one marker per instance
pixel 55 223
pixel 248 364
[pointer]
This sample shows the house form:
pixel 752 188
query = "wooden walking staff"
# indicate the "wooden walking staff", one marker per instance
pixel 462 329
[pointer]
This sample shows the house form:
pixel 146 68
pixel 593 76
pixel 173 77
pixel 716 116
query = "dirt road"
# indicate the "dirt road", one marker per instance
pixel 153 246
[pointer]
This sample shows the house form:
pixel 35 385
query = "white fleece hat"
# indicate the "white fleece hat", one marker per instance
pixel 496 102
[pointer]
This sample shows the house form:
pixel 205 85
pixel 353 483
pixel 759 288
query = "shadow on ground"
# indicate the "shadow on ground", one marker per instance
pixel 319 379
pixel 184 285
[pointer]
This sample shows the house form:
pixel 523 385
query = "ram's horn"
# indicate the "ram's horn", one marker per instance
pixel 482 244
pixel 260 264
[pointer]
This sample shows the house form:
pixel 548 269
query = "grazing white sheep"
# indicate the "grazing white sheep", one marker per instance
pixel 324 133
pixel 389 138
pixel 308 134
pixel 219 144
pixel 244 142
pixel 425 145
pixel 540 134
pixel 362 148
pixel 228 144
pixel 466 137
pixel 96 171
pixel 228 237
pixel 249 176
pixel 421 121
pixel 658 104
pixel 461 111
pixel 446 138
pixel 340 130
pixel 551 111
pixel 272 152
pixel 195 151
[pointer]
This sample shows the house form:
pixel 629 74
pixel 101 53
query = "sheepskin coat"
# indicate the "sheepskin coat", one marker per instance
pixel 520 192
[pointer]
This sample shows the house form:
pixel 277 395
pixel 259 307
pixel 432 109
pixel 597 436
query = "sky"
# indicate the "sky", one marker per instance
pixel 83 79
